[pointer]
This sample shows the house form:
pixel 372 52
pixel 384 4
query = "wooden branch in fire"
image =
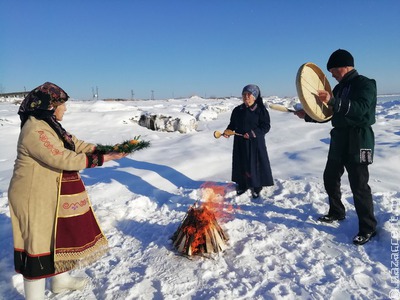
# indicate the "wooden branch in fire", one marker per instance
pixel 199 233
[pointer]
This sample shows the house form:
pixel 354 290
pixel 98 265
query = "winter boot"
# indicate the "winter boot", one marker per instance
pixel 34 289
pixel 65 282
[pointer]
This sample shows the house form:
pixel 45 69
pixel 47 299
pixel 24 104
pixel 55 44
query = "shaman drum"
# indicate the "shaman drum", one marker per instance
pixel 309 80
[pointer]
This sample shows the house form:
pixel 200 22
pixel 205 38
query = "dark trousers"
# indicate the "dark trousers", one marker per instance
pixel 358 177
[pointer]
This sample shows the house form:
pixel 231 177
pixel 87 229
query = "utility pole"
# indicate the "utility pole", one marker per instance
pixel 152 95
pixel 95 95
pixel 132 95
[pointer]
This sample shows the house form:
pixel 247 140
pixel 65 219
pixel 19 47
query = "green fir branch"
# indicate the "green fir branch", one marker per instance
pixel 128 146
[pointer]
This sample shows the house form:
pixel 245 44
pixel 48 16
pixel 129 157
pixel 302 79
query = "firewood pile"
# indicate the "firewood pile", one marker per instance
pixel 199 233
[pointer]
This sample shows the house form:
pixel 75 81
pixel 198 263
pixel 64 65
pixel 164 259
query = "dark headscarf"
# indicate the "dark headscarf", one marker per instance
pixel 41 103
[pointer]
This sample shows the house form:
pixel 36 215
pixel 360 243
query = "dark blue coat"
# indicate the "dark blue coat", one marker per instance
pixel 250 162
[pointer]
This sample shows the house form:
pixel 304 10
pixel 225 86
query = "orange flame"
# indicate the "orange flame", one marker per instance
pixel 204 221
pixel 214 199
pixel 213 207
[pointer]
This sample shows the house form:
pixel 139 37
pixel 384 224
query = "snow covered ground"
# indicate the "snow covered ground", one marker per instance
pixel 276 248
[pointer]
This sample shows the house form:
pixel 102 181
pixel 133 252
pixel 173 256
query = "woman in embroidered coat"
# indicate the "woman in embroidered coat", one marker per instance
pixel 54 226
pixel 250 163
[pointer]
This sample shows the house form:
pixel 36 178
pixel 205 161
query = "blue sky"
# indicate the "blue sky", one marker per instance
pixel 183 48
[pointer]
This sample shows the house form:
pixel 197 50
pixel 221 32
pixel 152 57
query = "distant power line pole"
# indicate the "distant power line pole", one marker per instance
pixel 95 94
pixel 132 95
pixel 152 95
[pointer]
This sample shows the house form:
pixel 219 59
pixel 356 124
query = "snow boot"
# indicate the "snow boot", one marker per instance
pixel 65 282
pixel 362 238
pixel 34 289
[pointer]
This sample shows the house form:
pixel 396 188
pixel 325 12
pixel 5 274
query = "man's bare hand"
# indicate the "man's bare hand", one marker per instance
pixel 323 96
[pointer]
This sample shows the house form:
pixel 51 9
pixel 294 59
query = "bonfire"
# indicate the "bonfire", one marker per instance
pixel 199 233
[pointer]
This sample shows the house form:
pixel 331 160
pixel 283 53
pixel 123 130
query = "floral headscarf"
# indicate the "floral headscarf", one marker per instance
pixel 41 103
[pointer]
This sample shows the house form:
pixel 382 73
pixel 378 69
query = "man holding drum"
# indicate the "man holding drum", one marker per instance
pixel 352 142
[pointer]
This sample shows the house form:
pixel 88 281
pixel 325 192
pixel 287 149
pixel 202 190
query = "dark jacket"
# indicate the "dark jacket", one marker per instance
pixel 250 162
pixel 354 103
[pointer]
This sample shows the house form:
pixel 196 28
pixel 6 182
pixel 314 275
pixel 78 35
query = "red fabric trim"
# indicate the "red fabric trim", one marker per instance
pixel 30 255
pixel 77 233
pixel 34 278
pixel 70 176
pixel 71 184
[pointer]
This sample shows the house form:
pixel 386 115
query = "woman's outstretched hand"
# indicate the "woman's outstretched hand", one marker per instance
pixel 114 156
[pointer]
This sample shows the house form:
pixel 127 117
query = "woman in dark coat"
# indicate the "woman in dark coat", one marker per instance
pixel 250 163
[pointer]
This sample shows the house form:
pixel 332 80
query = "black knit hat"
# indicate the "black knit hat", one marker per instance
pixel 340 58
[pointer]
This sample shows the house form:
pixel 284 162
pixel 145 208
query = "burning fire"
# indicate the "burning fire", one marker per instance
pixel 200 232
